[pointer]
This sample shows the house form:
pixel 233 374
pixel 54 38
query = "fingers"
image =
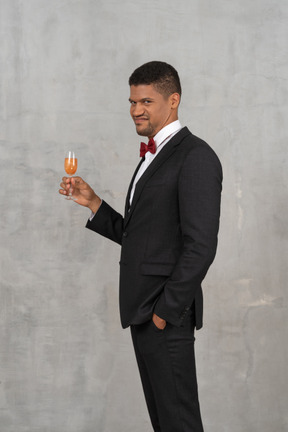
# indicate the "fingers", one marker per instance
pixel 64 189
pixel 65 185
pixel 72 182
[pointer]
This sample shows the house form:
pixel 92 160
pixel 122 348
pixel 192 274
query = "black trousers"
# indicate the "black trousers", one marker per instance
pixel 166 362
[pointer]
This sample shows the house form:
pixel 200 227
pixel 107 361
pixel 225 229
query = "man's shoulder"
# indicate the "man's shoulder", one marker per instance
pixel 190 141
pixel 186 137
pixel 192 148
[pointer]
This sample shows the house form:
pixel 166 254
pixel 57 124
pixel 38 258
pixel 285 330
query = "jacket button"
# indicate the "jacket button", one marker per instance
pixel 125 234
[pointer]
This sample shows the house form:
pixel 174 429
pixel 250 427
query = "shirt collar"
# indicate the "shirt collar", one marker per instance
pixel 168 130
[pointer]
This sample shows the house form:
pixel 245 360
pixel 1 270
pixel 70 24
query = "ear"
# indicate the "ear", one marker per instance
pixel 174 100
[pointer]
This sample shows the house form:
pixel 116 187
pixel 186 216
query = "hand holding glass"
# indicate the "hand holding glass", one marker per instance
pixel 70 166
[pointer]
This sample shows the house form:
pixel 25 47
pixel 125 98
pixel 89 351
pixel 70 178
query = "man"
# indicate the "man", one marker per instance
pixel 169 238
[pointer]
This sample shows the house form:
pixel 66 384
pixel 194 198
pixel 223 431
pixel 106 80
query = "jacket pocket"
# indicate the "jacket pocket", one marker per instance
pixel 157 269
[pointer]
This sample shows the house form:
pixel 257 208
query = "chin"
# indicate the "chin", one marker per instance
pixel 141 133
pixel 144 132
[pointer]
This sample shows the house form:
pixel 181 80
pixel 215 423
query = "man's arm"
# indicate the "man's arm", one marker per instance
pixel 108 223
pixel 199 189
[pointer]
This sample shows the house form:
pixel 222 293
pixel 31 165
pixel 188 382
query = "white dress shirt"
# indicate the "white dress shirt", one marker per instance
pixel 161 139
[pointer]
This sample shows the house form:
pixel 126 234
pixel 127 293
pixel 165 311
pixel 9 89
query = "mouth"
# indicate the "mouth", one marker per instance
pixel 140 120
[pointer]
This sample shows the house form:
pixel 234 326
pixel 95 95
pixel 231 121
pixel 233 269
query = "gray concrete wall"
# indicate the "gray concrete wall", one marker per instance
pixel 65 363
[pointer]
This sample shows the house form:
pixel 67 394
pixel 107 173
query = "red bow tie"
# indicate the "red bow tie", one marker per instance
pixel 151 147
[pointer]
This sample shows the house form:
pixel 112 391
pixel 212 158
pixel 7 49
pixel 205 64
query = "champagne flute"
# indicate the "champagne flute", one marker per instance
pixel 70 166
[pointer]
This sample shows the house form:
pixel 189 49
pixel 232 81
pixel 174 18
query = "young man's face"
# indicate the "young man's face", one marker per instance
pixel 150 110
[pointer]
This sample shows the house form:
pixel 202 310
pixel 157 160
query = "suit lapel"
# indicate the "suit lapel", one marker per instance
pixel 127 203
pixel 164 154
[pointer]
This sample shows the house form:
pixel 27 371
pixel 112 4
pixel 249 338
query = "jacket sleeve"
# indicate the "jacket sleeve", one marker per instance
pixel 199 192
pixel 108 223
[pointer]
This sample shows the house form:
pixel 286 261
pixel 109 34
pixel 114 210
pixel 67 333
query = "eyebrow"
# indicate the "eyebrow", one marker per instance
pixel 141 100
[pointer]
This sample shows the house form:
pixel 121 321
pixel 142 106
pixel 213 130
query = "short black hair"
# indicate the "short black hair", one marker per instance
pixel 162 75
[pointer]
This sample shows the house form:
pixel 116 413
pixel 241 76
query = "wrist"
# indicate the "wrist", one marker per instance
pixel 95 204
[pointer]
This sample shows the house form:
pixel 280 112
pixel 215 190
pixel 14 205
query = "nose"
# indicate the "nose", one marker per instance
pixel 137 110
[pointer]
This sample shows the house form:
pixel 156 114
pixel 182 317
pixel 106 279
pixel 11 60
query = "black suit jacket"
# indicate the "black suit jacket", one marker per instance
pixel 169 234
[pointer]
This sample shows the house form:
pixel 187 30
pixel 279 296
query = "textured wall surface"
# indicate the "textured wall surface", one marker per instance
pixel 65 363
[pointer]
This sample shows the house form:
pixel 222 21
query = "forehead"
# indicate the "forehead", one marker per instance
pixel 144 91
